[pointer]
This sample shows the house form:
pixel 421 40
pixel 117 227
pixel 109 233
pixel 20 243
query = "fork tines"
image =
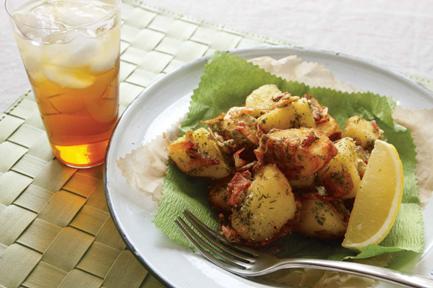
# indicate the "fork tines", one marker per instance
pixel 213 246
pixel 246 262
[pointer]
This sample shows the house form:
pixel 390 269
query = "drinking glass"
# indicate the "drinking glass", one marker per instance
pixel 70 50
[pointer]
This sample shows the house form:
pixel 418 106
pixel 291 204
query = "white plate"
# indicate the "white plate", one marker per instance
pixel 165 101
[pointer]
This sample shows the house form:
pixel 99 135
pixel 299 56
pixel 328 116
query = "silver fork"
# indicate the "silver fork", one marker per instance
pixel 247 262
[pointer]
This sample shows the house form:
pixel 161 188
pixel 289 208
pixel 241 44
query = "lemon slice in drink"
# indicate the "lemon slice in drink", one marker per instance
pixel 378 200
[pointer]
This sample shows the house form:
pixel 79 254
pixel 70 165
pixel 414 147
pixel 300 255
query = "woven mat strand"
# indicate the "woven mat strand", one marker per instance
pixel 55 229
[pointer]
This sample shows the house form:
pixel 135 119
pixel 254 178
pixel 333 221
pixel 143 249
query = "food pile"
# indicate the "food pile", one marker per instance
pixel 279 164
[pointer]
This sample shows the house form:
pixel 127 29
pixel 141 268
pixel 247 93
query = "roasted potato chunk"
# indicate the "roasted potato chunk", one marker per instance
pixel 330 128
pixel 322 219
pixel 197 154
pixel 268 206
pixel 294 114
pixel 364 132
pixel 340 176
pixel 279 118
pixel 299 152
pixel 262 97
pixel 304 113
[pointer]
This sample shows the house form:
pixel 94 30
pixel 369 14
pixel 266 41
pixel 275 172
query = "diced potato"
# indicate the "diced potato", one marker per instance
pixel 364 132
pixel 278 118
pixel 197 154
pixel 322 219
pixel 267 208
pixel 296 114
pixel 330 128
pixel 261 98
pixel 304 113
pixel 340 177
pixel 297 152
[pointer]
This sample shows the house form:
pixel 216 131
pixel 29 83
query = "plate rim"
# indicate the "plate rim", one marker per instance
pixel 204 59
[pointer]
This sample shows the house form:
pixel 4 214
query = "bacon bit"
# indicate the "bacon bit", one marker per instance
pixel 320 113
pixel 197 157
pixel 191 149
pixel 335 136
pixel 239 162
pixel 246 131
pixel 332 151
pixel 251 165
pixel 218 138
pixel 229 233
pixel 187 145
pixel 259 131
pixel 376 128
pixel 310 139
pixel 259 154
pixel 237 187
pixel 249 111
pixel 285 101
pixel 278 97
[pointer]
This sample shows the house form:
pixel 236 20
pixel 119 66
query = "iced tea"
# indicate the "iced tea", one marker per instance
pixel 70 50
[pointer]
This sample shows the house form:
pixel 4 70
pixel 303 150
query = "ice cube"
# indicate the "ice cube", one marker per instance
pixel 79 13
pixel 33 27
pixel 32 59
pixel 108 51
pixel 67 77
pixel 71 34
pixel 77 53
pixel 100 53
pixel 34 71
pixel 38 22
pixel 49 21
pixel 105 60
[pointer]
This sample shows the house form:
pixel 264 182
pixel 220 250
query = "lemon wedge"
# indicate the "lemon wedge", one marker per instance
pixel 378 200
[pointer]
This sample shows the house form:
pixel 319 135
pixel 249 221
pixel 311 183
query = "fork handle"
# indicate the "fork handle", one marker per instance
pixel 368 271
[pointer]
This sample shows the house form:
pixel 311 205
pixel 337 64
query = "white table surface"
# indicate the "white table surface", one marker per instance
pixel 393 33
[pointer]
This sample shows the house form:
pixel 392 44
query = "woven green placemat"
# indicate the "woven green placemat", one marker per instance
pixel 55 229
